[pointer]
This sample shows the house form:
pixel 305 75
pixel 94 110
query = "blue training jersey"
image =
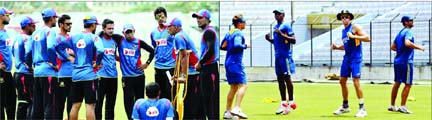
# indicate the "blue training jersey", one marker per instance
pixel 130 57
pixel 215 57
pixel 353 49
pixel 164 48
pixel 183 42
pixel 108 69
pixel 282 48
pixel 146 109
pixel 5 49
pixel 404 54
pixel 19 53
pixel 44 51
pixel 86 47
pixel 64 64
pixel 235 47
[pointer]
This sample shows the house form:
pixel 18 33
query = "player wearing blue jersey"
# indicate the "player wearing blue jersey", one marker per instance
pixel 352 36
pixel 235 71
pixel 132 68
pixel 65 65
pixel 107 73
pixel 164 53
pixel 193 108
pixel 403 63
pixel 86 46
pixel 208 64
pixel 8 99
pixel 23 73
pixel 43 52
pixel 153 108
pixel 283 41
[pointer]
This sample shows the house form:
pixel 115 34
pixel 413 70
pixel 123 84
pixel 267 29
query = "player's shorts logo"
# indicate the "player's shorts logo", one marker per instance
pixel 81 43
pixel 129 52
pixel 152 111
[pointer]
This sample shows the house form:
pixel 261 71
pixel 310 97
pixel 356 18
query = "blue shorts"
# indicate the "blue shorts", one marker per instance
pixel 351 67
pixel 235 74
pixel 404 73
pixel 284 66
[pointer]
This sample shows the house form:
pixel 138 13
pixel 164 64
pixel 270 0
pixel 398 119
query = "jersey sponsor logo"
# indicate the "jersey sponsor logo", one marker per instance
pixel 9 42
pixel 345 40
pixel 152 111
pixel 81 43
pixel 129 52
pixel 109 51
pixel 69 50
pixel 37 37
pixel 161 42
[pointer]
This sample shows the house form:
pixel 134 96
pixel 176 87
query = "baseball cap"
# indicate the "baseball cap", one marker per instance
pixel 174 22
pixel 238 19
pixel 27 21
pixel 344 12
pixel 202 13
pixel 90 20
pixel 280 10
pixel 49 12
pixel 406 18
pixel 128 27
pixel 4 11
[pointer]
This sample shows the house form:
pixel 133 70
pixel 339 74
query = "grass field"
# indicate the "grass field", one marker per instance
pixel 318 101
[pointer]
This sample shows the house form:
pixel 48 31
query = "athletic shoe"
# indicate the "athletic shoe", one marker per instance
pixel 404 110
pixel 283 107
pixel 239 113
pixel 227 115
pixel 341 110
pixel 361 113
pixel 392 108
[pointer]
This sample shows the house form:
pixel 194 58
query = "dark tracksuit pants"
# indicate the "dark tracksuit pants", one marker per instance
pixel 133 89
pixel 209 79
pixel 8 95
pixel 107 88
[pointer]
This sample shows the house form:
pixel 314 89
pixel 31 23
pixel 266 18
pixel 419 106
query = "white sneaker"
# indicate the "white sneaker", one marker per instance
pixel 227 115
pixel 282 108
pixel 392 108
pixel 341 110
pixel 404 110
pixel 239 113
pixel 361 113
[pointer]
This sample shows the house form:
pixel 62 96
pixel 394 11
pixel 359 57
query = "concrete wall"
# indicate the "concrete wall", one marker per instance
pixel 318 73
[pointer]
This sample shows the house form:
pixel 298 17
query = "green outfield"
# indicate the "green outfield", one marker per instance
pixel 317 101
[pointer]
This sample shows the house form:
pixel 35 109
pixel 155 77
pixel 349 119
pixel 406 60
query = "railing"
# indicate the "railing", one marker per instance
pixel 314 43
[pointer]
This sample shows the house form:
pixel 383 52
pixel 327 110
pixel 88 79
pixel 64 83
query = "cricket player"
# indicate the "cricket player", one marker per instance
pixel 43 50
pixel 23 73
pixel 65 65
pixel 164 53
pixel 235 71
pixel 153 108
pixel 208 64
pixel 132 68
pixel 352 36
pixel 107 74
pixel 283 41
pixel 8 99
pixel 193 108
pixel 403 63
pixel 86 46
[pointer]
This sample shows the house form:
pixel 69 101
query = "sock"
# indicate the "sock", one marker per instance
pixel 290 102
pixel 345 104
pixel 361 103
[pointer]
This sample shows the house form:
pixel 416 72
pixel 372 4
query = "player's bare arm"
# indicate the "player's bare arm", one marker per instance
pixel 409 44
pixel 393 47
pixel 359 34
